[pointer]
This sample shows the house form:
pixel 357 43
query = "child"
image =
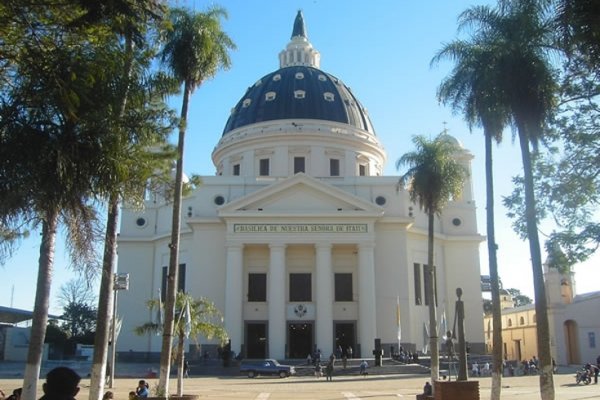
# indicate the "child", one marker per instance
pixel 142 389
pixel 132 395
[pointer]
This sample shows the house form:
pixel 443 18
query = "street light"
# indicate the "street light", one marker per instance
pixel 120 282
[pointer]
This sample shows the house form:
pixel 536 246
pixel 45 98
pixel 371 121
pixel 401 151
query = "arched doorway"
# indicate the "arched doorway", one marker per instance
pixel 572 342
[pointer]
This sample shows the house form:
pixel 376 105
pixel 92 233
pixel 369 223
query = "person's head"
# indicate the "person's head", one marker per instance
pixel 108 395
pixel 62 381
pixel 132 395
pixel 142 383
pixel 17 393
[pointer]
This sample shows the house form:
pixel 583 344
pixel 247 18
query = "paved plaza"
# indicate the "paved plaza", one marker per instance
pixel 372 387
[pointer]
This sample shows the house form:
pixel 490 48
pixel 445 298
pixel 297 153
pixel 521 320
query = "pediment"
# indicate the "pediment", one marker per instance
pixel 300 195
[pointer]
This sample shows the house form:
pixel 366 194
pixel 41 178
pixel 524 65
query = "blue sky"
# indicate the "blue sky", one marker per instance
pixel 382 50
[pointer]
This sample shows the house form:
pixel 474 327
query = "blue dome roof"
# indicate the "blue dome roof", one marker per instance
pixel 298 92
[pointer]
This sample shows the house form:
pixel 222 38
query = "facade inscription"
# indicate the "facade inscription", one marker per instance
pixel 300 228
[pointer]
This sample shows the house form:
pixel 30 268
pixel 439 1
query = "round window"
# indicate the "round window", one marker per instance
pixel 141 222
pixel 456 222
pixel 219 200
pixel 380 200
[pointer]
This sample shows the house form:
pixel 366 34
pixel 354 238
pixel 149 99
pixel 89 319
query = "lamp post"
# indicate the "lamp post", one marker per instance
pixel 121 282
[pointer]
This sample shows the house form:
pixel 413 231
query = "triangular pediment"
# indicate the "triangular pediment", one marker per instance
pixel 300 195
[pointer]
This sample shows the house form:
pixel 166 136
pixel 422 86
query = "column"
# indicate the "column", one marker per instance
pixel 233 295
pixel 366 298
pixel 324 299
pixel 276 302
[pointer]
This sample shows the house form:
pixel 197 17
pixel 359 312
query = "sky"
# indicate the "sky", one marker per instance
pixel 382 50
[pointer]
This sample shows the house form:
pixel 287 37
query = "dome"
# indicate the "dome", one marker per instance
pixel 299 92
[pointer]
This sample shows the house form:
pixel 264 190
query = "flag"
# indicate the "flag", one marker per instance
pixel 159 315
pixel 443 325
pixel 188 320
pixel 425 347
pixel 398 321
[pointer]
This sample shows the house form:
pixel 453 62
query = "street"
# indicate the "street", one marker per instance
pixel 372 387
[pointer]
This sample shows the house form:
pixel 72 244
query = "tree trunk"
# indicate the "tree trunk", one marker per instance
pixel 430 298
pixel 180 362
pixel 105 298
pixel 541 311
pixel 493 266
pixel 105 301
pixel 167 342
pixel 40 310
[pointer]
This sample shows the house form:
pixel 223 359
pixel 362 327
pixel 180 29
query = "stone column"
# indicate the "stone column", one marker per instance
pixel 324 299
pixel 277 302
pixel 233 295
pixel 366 298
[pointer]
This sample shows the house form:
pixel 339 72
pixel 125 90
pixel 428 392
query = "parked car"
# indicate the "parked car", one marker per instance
pixel 266 367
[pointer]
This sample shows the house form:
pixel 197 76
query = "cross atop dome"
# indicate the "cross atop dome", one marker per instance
pixel 299 51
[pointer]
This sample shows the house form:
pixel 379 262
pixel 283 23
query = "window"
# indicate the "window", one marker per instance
pixel 263 167
pixel 276 77
pixel 522 321
pixel 299 94
pixel 417 277
pixel 180 281
pixel 334 167
pixel 509 322
pixel 270 96
pixel 343 287
pixel 299 164
pixel 362 170
pixel 257 287
pixel 299 75
pixel 322 78
pixel 592 340
pixel 246 103
pixel 426 277
pixel 328 96
pixel 236 169
pixel 300 287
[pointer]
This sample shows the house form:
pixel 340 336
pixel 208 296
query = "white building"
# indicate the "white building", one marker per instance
pixel 298 239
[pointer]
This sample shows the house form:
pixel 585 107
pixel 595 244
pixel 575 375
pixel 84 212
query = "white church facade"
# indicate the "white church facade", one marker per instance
pixel 298 238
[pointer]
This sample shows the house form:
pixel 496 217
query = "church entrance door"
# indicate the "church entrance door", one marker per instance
pixel 256 340
pixel 344 336
pixel 300 339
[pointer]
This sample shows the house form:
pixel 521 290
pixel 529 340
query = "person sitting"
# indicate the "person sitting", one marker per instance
pixel 108 396
pixel 62 383
pixel 318 371
pixel 142 389
pixel 363 367
pixel 132 395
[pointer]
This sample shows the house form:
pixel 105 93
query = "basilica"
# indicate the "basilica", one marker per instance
pixel 298 238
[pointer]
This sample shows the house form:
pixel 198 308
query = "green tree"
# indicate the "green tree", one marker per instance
pixel 470 89
pixel 63 83
pixel 519 299
pixel 80 319
pixel 433 177
pixel 194 50
pixel 521 35
pixel 193 318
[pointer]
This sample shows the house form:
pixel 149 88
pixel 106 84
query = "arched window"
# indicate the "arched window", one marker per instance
pixel 522 321
pixel 509 322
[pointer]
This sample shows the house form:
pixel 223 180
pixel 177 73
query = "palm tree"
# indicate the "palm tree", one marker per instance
pixel 470 88
pixel 521 36
pixel 433 177
pixel 193 318
pixel 194 50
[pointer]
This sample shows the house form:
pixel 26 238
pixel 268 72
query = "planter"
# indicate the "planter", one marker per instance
pixel 457 390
